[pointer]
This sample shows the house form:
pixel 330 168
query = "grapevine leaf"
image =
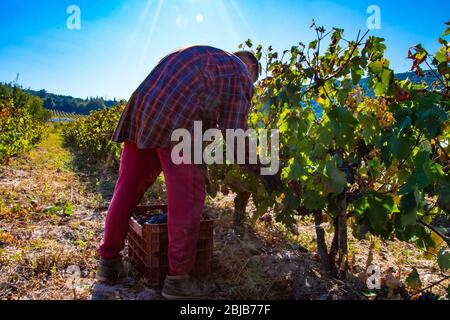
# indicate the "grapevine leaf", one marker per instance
pixel 345 88
pixel 424 175
pixel 376 67
pixel 294 170
pixel 313 45
pixel 370 128
pixel 443 190
pixel 430 117
pixel 386 77
pixel 441 56
pixel 444 259
pixel 336 177
pixel 401 145
pixel 413 280
pixel 319 152
pixel 405 123
pixel 446 33
pixel 416 234
pixel 343 125
pixel 408 210
pixel 376 207
pixel 325 134
pixel 314 201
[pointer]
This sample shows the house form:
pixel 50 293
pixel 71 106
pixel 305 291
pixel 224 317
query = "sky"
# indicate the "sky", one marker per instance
pixel 120 41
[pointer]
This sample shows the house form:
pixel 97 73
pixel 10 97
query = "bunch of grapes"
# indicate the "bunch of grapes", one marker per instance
pixel 428 296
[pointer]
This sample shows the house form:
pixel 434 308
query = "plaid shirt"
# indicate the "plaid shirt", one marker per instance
pixel 198 83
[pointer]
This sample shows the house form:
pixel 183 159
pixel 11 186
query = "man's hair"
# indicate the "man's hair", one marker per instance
pixel 250 57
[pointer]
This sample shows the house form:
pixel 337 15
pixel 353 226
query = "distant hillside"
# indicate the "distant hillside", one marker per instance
pixel 428 77
pixel 80 106
pixel 70 104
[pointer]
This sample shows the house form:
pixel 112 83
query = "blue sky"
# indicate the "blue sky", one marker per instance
pixel 120 41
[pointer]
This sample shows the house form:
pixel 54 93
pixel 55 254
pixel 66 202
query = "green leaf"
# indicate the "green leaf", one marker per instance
pixel 413 280
pixel 357 75
pixel 314 201
pixel 401 145
pixel 336 177
pixel 370 294
pixel 313 45
pixel 424 175
pixel 430 118
pixel 376 67
pixel 386 77
pixel 293 171
pixel 382 76
pixel 444 259
pixel 405 123
pixel 325 133
pixel 443 189
pixel 441 56
pixel 337 36
pixel 408 210
pixel 319 152
pixel 416 234
pixel 370 129
pixel 376 208
pixel 343 125
pixel 344 90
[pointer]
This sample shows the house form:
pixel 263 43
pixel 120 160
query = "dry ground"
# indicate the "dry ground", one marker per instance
pixel 52 208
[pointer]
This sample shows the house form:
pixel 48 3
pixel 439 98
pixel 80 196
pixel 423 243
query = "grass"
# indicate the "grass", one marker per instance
pixel 40 195
pixel 49 154
pixel 52 209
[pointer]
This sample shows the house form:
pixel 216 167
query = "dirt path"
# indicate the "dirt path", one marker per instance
pixel 51 220
pixel 49 229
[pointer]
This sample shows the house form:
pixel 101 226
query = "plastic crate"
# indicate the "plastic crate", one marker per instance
pixel 148 247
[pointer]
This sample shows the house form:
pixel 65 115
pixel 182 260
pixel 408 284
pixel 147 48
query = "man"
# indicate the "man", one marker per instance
pixel 198 83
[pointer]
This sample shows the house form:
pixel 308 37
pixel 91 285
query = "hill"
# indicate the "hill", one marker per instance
pixel 70 104
pixel 80 106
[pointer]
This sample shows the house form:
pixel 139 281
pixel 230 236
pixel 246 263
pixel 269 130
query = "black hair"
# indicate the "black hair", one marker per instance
pixel 251 57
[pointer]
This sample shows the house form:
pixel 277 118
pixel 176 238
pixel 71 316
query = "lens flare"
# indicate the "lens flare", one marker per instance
pixel 199 18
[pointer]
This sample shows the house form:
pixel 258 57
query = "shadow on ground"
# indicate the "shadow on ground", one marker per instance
pixel 255 263
pixel 128 289
pixel 266 266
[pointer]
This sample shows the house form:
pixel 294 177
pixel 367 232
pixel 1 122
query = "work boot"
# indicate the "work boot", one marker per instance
pixel 184 288
pixel 111 271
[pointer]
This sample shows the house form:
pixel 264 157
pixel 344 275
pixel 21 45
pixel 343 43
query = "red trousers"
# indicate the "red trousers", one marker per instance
pixel 185 185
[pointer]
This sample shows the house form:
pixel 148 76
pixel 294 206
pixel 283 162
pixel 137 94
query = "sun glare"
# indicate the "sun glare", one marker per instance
pixel 200 18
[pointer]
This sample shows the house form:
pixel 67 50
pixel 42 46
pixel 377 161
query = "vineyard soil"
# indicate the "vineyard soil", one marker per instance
pixel 52 206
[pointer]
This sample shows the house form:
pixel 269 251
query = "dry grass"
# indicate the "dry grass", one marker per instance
pixel 48 222
pixel 51 218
